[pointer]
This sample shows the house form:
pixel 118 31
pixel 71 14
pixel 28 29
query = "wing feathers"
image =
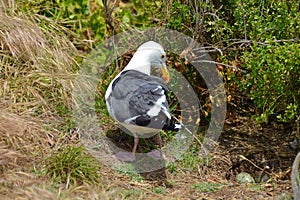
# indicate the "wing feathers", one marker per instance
pixel 139 99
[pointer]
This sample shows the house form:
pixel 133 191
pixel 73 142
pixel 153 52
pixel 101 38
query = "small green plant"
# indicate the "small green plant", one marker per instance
pixel 158 190
pixel 207 187
pixel 172 168
pixel 256 187
pixel 72 165
pixel 129 170
pixel 191 160
pixel 132 193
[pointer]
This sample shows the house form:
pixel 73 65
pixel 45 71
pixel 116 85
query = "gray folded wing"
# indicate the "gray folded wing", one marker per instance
pixel 139 99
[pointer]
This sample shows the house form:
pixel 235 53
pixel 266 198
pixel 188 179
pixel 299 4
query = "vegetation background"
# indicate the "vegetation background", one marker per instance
pixel 255 45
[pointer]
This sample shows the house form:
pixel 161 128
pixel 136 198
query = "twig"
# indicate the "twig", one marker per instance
pixel 218 63
pixel 262 169
pixel 237 107
pixel 241 42
pixel 108 13
pixel 206 49
pixel 262 173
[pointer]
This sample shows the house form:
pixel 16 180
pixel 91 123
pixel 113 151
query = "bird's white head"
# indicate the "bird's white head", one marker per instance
pixel 149 54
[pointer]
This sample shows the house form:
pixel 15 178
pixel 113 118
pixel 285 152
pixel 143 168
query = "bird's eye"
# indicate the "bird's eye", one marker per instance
pixel 162 56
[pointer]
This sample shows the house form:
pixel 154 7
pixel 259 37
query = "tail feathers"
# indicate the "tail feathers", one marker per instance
pixel 172 127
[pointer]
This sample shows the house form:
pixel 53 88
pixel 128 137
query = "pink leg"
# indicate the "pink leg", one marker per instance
pixel 159 143
pixel 128 156
pixel 136 141
pixel 157 154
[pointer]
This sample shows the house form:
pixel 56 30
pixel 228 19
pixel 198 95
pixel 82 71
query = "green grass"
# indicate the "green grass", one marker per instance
pixel 129 170
pixel 158 190
pixel 72 165
pixel 190 161
pixel 135 193
pixel 207 187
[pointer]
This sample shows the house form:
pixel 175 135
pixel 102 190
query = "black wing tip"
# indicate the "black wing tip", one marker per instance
pixel 173 127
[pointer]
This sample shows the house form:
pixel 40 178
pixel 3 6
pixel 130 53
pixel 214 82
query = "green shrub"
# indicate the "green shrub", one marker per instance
pixel 86 18
pixel 274 81
pixel 181 17
pixel 267 20
pixel 138 14
pixel 266 35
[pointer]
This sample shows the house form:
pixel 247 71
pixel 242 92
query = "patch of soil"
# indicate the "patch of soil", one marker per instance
pixel 264 151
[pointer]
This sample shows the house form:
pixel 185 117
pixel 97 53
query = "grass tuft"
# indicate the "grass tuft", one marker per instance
pixel 72 165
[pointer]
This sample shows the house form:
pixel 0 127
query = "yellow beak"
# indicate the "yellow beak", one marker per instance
pixel 165 73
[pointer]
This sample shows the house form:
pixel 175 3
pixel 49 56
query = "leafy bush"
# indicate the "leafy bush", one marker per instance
pixel 181 17
pixel 137 14
pixel 274 81
pixel 267 20
pixel 200 20
pixel 265 35
pixel 86 17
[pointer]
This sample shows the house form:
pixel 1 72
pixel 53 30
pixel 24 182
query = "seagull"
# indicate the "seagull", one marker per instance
pixel 137 100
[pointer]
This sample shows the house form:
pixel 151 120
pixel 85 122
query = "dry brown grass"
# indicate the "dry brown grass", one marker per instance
pixel 37 66
pixel 37 63
pixel 23 144
pixel 21 139
pixel 22 39
pixel 21 185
